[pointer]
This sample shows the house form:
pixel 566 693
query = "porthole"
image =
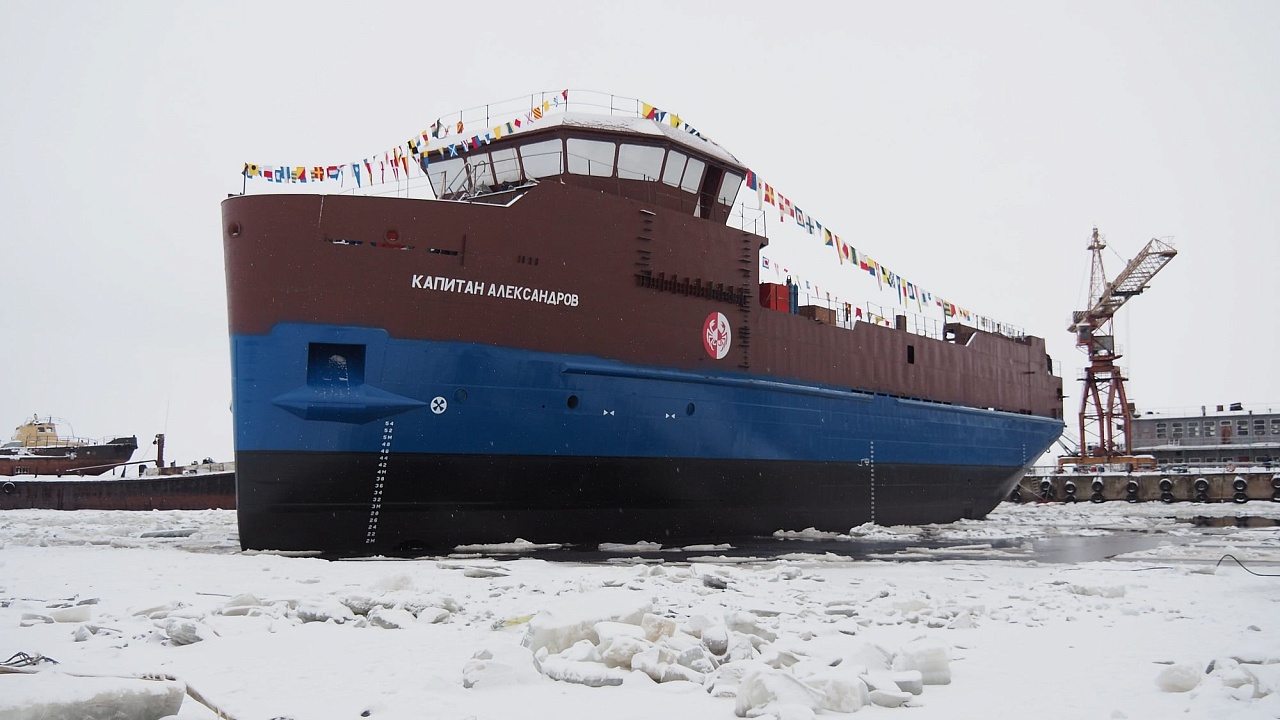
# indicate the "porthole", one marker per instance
pixel 460 395
pixel 573 401
pixel 688 409
pixel 234 229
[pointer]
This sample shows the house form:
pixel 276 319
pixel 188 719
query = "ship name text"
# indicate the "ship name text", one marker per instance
pixel 479 287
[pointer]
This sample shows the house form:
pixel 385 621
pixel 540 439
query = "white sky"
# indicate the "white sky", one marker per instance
pixel 970 148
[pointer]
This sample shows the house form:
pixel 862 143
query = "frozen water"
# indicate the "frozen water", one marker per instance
pixel 1158 632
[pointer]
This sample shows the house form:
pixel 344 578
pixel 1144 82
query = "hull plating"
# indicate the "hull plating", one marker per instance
pixel 353 442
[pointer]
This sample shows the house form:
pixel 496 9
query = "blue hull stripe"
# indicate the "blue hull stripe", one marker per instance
pixel 323 388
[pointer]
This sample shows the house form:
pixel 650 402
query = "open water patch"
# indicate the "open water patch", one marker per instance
pixel 1231 521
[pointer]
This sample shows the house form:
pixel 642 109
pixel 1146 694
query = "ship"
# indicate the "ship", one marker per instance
pixel 569 341
pixel 37 449
pixel 201 485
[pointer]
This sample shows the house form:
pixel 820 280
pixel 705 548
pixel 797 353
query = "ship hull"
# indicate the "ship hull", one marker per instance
pixel 458 443
pixel 77 460
pixel 206 491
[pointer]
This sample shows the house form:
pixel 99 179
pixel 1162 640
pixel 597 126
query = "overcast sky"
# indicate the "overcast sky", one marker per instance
pixel 970 147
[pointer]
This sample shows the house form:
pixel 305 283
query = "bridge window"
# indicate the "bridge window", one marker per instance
pixel 672 173
pixel 729 188
pixel 542 159
pixel 506 167
pixel 481 170
pixel 693 175
pixel 591 157
pixel 639 162
pixel 447 176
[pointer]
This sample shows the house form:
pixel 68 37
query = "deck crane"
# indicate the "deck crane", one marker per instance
pixel 1105 414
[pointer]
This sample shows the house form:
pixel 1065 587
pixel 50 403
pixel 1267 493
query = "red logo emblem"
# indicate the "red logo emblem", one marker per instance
pixel 716 335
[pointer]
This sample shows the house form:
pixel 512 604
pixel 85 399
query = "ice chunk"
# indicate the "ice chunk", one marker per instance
pixel 619 649
pixel 741 647
pixel 363 604
pixel 842 689
pixel 73 614
pixel 324 610
pixel 574 618
pixel 432 615
pixel 748 624
pixel 182 631
pixel 761 691
pixel 158 612
pixel 519 546
pixel 48 694
pixel 581 673
pixel 930 658
pixel 716 639
pixel 911 681
pixel 581 651
pixel 694 657
pixel 881 681
pixel 653 661
pixel 889 698
pixel 725 680
pixel 391 618
pixel 243 600
pixel 656 626
pixel 499 665
pixel 607 631
pixel 871 656
pixel 1178 678
pixel 1109 591
pixel 88 630
pixel 1265 678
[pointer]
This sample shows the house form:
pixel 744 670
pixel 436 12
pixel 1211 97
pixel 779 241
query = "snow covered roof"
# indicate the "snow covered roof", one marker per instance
pixel 638 126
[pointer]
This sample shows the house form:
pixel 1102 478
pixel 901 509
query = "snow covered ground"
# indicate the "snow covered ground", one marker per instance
pixel 968 620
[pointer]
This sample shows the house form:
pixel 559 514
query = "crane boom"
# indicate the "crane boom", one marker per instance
pixel 1131 281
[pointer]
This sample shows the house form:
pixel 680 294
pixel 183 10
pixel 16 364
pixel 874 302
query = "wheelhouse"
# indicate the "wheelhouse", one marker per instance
pixel 635 158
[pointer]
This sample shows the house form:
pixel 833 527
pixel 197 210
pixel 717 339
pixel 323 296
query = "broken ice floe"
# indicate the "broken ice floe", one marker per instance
pixel 606 637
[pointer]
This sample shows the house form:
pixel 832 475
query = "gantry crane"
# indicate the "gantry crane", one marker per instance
pixel 1105 414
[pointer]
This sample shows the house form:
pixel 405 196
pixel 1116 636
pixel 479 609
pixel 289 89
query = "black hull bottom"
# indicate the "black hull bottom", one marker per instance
pixel 357 504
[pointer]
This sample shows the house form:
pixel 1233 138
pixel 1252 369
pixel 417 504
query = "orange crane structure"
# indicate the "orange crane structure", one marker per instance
pixel 1105 413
